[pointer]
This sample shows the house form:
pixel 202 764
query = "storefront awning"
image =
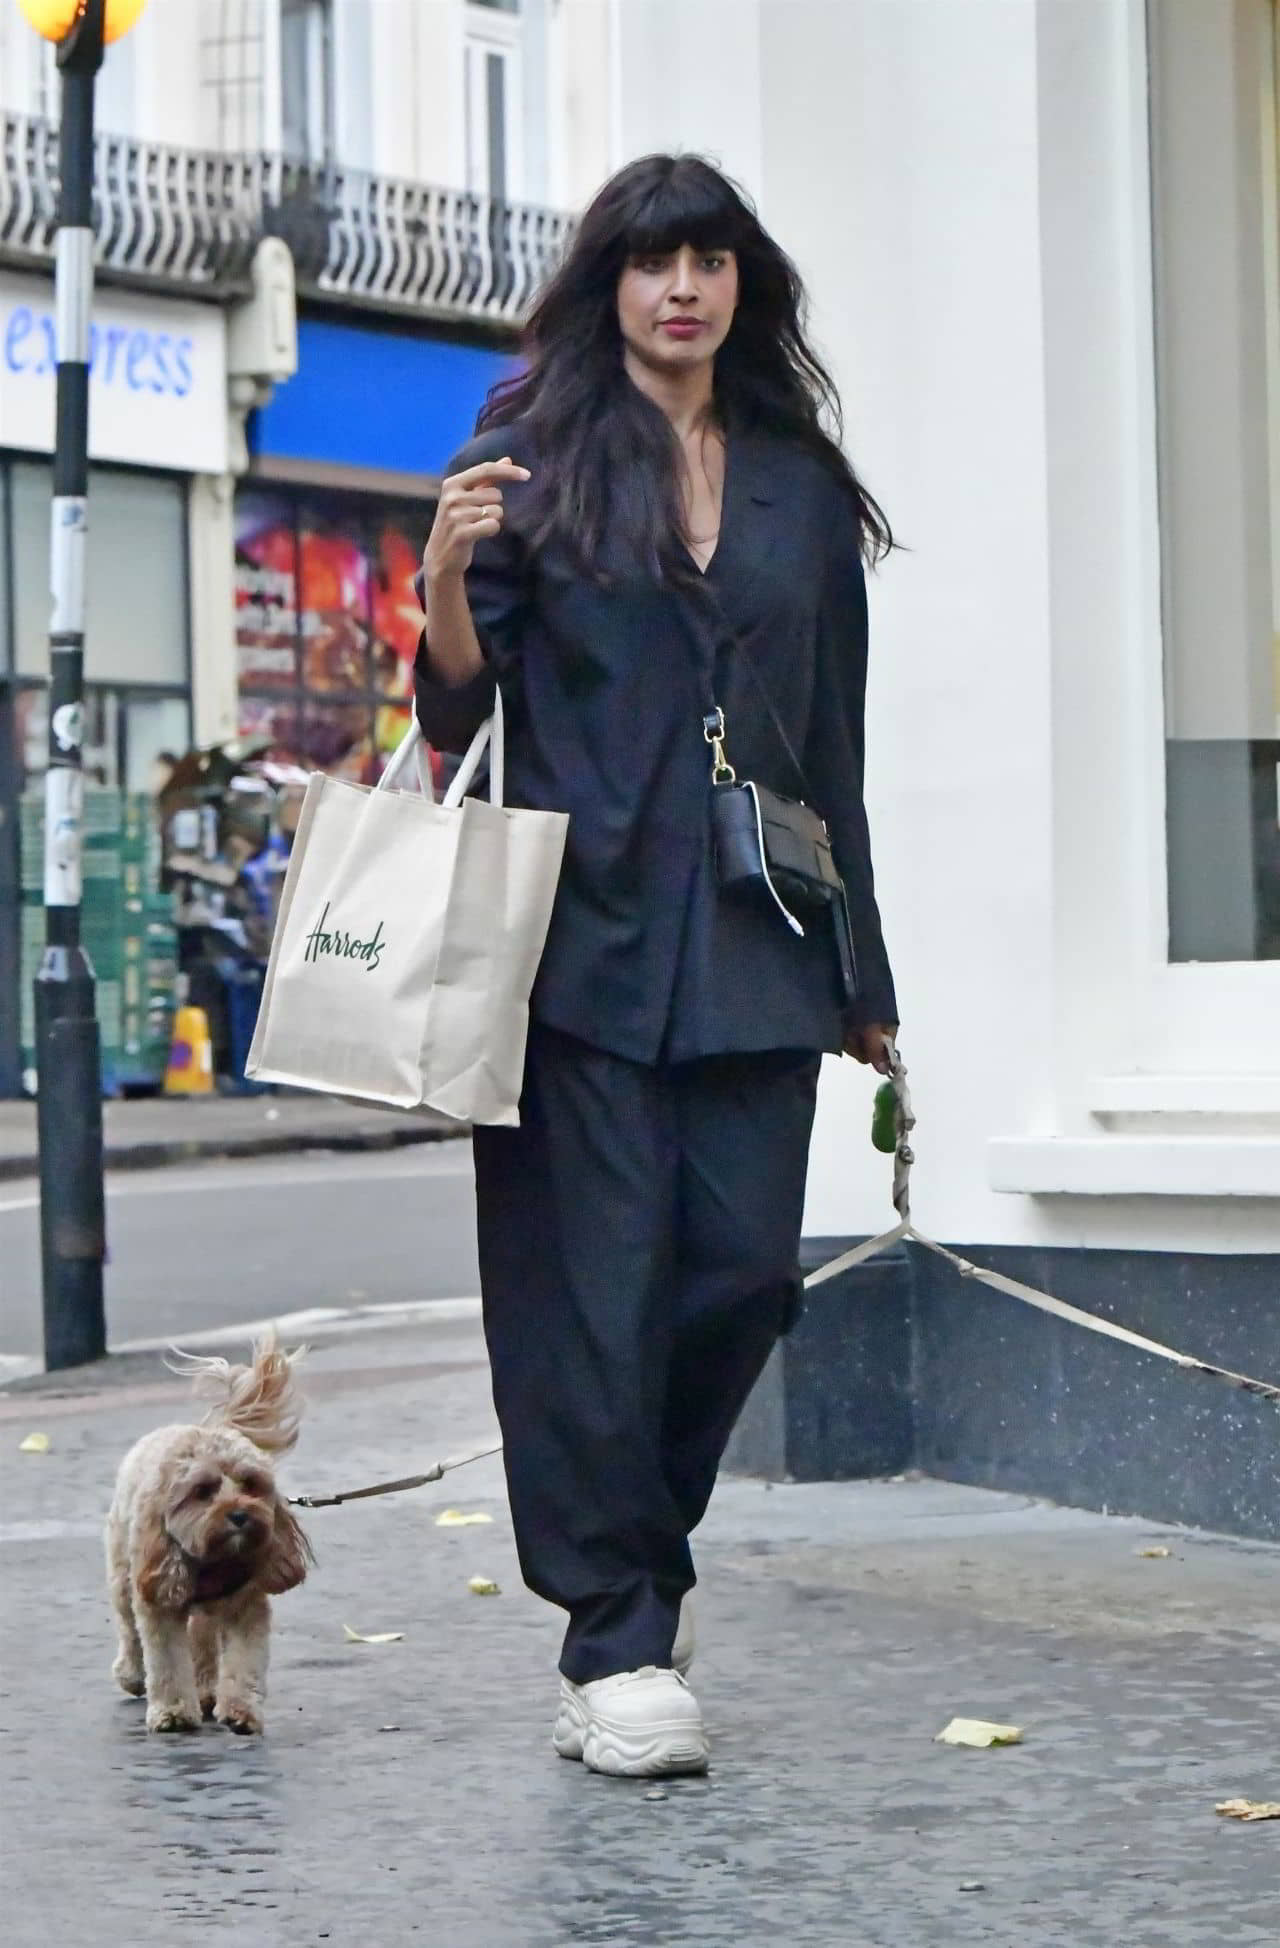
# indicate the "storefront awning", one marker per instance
pixel 371 401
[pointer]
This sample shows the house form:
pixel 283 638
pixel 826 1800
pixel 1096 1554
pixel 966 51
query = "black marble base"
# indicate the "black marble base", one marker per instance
pixel 1008 1398
pixel 901 1364
pixel 835 1402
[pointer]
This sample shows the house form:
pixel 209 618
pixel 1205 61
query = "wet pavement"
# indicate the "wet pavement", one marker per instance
pixel 407 1791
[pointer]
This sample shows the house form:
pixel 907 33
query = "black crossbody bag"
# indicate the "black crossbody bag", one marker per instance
pixel 771 847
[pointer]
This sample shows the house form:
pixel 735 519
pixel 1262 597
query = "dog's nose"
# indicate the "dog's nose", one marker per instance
pixel 238 1519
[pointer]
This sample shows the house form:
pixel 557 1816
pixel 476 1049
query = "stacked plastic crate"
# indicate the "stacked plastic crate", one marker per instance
pixel 126 928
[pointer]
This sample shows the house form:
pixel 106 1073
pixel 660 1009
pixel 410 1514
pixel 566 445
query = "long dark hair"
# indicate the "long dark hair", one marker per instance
pixel 616 453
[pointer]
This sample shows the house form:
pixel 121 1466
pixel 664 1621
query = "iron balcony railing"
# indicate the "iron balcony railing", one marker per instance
pixel 189 220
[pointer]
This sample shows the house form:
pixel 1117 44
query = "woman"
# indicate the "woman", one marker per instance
pixel 652 523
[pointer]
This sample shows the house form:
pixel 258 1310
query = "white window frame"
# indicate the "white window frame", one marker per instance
pixel 1166 1075
pixel 488 35
pixel 321 81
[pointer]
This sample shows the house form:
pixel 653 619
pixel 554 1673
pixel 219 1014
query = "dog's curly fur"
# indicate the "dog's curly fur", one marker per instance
pixel 198 1539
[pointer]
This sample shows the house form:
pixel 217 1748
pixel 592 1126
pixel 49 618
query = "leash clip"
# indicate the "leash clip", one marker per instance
pixel 722 772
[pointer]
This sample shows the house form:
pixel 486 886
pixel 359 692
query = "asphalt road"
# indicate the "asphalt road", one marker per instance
pixel 220 1244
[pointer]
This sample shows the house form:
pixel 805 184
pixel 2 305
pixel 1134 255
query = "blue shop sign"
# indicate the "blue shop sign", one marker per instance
pixel 389 401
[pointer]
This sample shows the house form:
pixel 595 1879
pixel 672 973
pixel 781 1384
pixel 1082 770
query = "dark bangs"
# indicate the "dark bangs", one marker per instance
pixel 693 205
pixel 615 464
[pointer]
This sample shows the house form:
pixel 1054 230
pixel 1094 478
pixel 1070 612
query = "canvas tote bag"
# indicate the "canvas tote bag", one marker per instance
pixel 408 938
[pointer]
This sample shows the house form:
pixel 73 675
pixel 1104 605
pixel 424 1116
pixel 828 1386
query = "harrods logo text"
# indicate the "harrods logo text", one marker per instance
pixel 344 946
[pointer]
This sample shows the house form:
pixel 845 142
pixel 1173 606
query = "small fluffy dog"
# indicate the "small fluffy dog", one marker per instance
pixel 198 1538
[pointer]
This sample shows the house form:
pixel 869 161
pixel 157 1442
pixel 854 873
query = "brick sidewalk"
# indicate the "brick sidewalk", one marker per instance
pixel 164 1130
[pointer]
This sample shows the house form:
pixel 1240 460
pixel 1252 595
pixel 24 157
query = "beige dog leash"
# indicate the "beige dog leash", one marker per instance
pixel 904 1157
pixel 441 1469
pixel 904 1229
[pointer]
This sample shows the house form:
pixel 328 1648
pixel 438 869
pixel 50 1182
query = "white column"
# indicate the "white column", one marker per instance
pixel 211 552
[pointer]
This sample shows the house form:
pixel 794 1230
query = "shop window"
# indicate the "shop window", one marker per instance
pixel 126 733
pixel 327 626
pixel 397 612
pixel 1217 265
pixel 136 622
pixel 136 575
pixel 266 593
pixel 333 572
pixel 155 729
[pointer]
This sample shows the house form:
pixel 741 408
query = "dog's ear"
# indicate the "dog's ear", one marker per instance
pixel 161 1573
pixel 284 1564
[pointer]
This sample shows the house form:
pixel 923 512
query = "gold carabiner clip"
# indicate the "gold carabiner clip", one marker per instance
pixel 722 772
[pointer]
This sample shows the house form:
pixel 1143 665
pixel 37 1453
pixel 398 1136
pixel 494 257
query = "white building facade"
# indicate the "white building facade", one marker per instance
pixel 1041 242
pixel 1058 359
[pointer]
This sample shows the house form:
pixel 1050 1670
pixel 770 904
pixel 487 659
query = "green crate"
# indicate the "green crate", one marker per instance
pixel 126 927
pixel 108 996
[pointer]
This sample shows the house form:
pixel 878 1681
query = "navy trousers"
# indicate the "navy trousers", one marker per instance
pixel 639 1236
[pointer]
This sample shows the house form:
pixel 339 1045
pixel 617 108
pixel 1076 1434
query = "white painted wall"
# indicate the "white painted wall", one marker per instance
pixel 19 52
pixel 686 74
pixel 170 104
pixel 579 90
pixel 965 188
pixel 922 254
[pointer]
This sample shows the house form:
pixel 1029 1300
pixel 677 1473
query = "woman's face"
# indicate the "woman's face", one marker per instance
pixel 675 310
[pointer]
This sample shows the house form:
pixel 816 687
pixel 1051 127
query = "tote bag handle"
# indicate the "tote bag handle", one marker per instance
pixel 412 747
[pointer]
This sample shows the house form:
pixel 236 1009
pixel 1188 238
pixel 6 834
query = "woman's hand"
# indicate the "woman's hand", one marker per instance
pixel 470 510
pixel 868 1044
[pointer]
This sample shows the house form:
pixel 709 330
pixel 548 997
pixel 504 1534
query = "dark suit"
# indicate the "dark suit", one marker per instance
pixel 606 691
pixel 639 1232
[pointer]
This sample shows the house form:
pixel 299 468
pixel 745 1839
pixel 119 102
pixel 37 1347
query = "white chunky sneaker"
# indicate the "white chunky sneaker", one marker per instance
pixel 570 1731
pixel 638 1725
pixel 686 1638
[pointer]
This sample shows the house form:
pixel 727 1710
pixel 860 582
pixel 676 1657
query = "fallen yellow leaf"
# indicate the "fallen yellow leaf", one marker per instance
pixel 1158 1552
pixel 378 1637
pixel 34 1444
pixel 453 1518
pixel 978 1733
pixel 483 1586
pixel 1250 1809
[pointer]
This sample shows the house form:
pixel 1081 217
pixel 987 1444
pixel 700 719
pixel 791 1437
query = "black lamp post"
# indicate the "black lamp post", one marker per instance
pixel 69 1100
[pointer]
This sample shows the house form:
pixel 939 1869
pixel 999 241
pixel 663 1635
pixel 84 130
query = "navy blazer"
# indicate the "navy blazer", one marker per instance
pixel 605 691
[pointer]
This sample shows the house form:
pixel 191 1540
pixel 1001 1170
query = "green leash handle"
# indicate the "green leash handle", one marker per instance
pixel 892 1121
pixel 884 1119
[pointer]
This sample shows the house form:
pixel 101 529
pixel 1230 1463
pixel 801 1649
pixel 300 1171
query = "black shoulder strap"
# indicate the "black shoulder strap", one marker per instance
pixel 733 638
